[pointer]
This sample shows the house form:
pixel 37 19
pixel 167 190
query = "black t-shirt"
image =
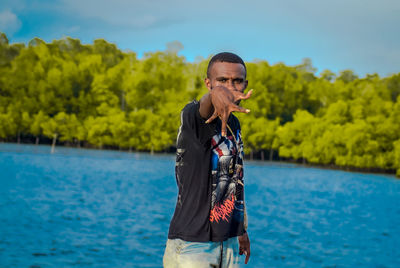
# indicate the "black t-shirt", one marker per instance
pixel 209 175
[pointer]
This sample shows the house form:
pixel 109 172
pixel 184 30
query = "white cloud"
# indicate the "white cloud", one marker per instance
pixel 73 29
pixel 123 13
pixel 9 22
pixel 351 33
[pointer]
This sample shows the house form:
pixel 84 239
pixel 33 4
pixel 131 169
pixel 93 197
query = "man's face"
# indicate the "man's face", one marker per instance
pixel 229 75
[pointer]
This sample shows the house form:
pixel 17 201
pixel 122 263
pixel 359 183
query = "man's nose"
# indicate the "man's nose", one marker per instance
pixel 231 85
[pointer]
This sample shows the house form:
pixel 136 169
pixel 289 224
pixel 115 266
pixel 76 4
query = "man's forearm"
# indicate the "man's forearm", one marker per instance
pixel 245 218
pixel 206 108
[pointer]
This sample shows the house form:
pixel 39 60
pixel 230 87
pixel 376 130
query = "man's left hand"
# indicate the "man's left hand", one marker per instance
pixel 244 246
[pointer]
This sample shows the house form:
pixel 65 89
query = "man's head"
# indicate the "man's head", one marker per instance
pixel 225 57
pixel 227 70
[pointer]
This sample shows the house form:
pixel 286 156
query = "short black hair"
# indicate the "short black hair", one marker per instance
pixel 225 57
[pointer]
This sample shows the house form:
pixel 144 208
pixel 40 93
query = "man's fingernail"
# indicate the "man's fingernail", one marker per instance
pixel 247 111
pixel 207 122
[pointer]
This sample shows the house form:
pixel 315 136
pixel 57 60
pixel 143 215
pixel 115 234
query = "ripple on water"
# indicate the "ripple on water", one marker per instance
pixel 112 209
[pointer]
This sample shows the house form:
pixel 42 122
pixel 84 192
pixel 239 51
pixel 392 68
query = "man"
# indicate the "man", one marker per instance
pixel 208 228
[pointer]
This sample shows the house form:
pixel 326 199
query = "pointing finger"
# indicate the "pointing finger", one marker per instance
pixel 238 108
pixel 241 96
pixel 223 126
pixel 247 257
pixel 248 95
pixel 213 116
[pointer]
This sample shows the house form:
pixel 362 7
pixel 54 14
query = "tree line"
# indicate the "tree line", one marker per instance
pixel 96 95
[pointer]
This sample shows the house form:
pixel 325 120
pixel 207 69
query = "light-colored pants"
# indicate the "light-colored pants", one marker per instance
pixel 179 253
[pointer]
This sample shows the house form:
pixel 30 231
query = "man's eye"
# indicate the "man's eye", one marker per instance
pixel 238 81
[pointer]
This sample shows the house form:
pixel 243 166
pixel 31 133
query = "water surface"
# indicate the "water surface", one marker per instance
pixel 96 208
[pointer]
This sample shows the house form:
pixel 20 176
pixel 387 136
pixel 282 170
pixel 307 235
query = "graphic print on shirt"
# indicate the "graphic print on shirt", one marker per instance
pixel 227 178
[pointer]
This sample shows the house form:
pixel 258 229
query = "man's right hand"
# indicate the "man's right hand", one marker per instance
pixel 244 246
pixel 224 102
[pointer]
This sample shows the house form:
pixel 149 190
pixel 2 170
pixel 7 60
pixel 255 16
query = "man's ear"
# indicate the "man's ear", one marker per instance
pixel 207 81
pixel 246 83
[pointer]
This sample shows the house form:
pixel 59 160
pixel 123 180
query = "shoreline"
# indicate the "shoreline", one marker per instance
pixel 172 151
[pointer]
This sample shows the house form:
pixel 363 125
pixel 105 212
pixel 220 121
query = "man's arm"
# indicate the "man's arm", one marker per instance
pixel 206 108
pixel 244 241
pixel 245 220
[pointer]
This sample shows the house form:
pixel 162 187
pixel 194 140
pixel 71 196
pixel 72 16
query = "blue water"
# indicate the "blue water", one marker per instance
pixel 93 208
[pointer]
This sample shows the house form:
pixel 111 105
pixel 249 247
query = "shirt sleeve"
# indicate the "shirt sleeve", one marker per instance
pixel 192 121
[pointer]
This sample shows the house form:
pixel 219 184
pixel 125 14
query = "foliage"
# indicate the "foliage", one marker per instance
pixel 97 95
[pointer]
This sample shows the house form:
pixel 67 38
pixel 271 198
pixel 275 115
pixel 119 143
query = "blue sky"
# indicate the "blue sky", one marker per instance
pixel 361 35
